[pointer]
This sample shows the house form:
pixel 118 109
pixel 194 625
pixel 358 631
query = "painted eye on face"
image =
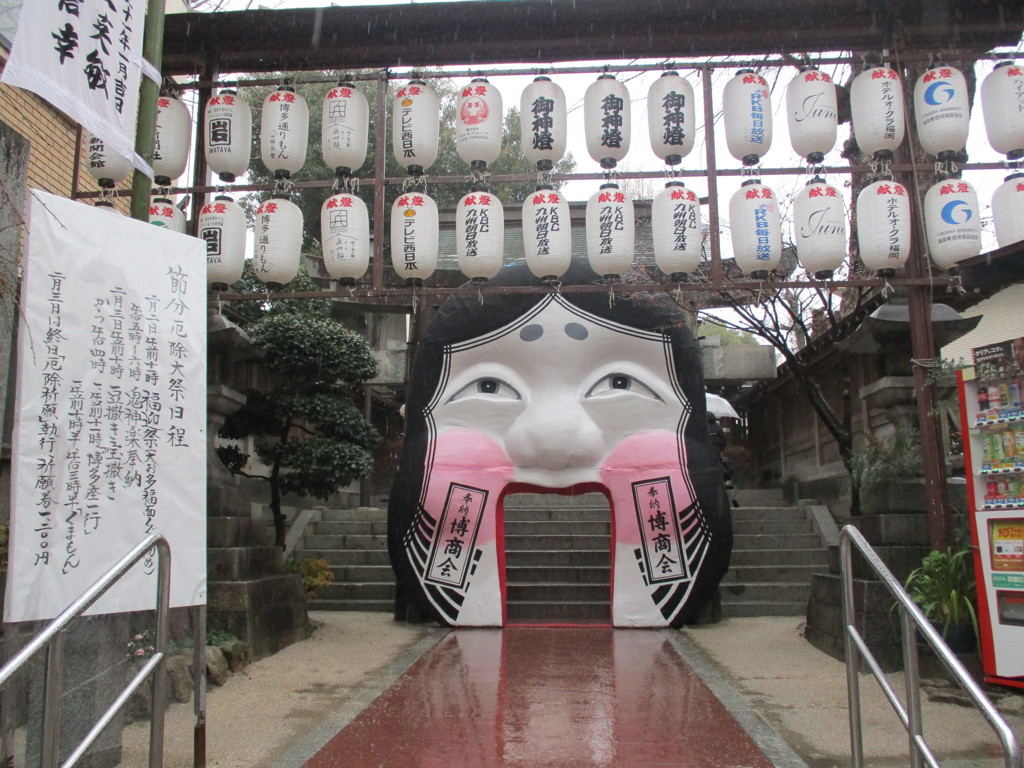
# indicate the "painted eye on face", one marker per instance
pixel 615 384
pixel 486 387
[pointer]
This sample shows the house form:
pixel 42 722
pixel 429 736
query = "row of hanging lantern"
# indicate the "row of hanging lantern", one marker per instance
pixel 941 110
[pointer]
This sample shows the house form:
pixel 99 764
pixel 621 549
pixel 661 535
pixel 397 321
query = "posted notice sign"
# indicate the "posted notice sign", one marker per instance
pixel 109 439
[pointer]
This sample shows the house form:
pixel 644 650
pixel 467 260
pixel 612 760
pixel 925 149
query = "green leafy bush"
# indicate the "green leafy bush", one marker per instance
pixel 315 573
pixel 943 587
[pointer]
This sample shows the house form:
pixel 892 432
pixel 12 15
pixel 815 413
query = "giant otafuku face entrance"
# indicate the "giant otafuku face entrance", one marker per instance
pixel 558 395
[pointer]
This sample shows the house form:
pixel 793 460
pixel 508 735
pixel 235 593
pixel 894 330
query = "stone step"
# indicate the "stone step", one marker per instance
pixel 749 497
pixel 362 514
pixel 363 573
pixel 563 542
pixel 777 541
pixel 547 512
pixel 348 528
pixel 741 574
pixel 546 558
pixel 555 500
pixel 375 606
pixel 316 541
pixel 581 574
pixel 778 557
pixel 560 610
pixel 768 513
pixel 337 557
pixel 784 592
pixel 557 527
pixel 754 527
pixel 750 609
pixel 566 592
pixel 357 591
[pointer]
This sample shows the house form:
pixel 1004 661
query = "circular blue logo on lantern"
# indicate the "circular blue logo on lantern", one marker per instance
pixel 957 212
pixel 939 92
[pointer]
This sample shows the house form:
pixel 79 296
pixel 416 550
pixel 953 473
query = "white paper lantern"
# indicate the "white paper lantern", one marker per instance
pixel 345 128
pixel 606 121
pixel 542 123
pixel 952 222
pixel 172 141
pixel 610 231
pixel 222 225
pixel 876 105
pixel 414 236
pixel 284 131
pixel 676 230
pixel 480 234
pixel 671 117
pixel 547 233
pixel 478 124
pixel 813 114
pixel 1002 105
pixel 278 241
pixel 345 236
pixel 884 226
pixel 228 135
pixel 107 167
pixel 164 213
pixel 1008 210
pixel 819 228
pixel 755 228
pixel 942 112
pixel 415 124
pixel 747 115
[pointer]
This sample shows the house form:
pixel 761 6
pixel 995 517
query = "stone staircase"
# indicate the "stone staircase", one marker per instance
pixel 776 551
pixel 354 542
pixel 557 558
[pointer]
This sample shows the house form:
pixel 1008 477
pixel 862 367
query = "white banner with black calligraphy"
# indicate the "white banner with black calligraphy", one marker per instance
pixel 85 58
pixel 109 441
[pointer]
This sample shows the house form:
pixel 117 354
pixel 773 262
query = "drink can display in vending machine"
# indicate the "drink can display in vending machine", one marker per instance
pixel 992 424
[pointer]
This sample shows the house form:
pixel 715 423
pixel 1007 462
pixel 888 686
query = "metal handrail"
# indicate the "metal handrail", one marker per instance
pixel 911 619
pixel 52 638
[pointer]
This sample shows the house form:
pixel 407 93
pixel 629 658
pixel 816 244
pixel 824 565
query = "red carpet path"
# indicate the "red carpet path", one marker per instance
pixel 566 698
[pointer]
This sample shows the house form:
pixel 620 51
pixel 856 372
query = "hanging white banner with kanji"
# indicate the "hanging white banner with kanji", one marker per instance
pixel 109 442
pixel 85 58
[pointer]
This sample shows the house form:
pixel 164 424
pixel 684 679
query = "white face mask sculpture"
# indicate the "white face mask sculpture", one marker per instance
pixel 557 400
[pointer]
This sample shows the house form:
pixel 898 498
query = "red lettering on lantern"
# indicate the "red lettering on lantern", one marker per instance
pixel 962 188
pixel 538 199
pixel 946 189
pixel 417 200
pixel 403 201
pixel 229 100
pixel 400 94
pixel 620 197
pixel 470 200
pixel 220 208
pixel 485 199
pixel 163 103
pixel 214 101
pixel 153 210
pixel 945 72
pixel 207 209
pixel 467 91
pixel 552 198
pixel 346 202
pixel 332 202
pixel 274 97
pixel 415 90
pixel 753 193
pixel 1020 187
pixel 883 189
pixel 1014 71
pixel 168 212
pixel 481 90
pixel 268 207
pixel 766 194
pixel 604 197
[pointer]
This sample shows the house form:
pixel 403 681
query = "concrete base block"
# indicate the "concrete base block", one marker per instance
pixel 269 613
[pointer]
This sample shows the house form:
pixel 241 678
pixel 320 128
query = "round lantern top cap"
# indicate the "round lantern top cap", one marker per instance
pixel 748 182
pixel 166 200
pixel 541 187
pixel 542 79
pixel 479 188
pixel 606 76
pixel 809 68
pixel 346 83
pixel 417 81
pixel 480 80
pixel 670 73
pixel 815 180
pixel 609 185
pixel 286 87
pixel 1015 175
pixel 225 197
pixel 674 183
pixel 744 71
pixel 229 91
pixel 1003 64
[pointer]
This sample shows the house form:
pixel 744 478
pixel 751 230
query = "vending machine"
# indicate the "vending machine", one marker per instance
pixel 992 421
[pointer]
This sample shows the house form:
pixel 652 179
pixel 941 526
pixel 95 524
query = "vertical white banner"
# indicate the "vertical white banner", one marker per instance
pixel 109 440
pixel 85 58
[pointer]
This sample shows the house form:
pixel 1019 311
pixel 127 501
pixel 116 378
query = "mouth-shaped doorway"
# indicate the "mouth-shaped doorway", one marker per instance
pixel 558 565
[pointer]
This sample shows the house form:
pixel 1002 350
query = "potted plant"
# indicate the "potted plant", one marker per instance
pixel 943 588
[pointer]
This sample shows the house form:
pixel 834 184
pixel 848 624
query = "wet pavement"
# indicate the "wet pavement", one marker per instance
pixel 531 696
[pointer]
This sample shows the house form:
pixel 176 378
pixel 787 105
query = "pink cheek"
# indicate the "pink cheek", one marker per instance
pixel 637 458
pixel 470 458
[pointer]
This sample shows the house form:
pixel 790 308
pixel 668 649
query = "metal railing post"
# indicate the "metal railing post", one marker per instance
pixel 852 657
pixel 53 687
pixel 912 622
pixel 156 728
